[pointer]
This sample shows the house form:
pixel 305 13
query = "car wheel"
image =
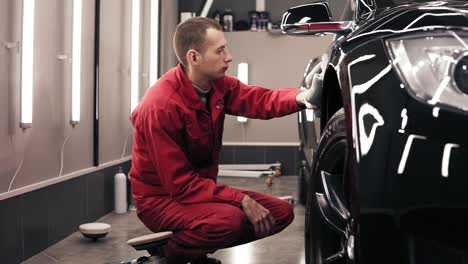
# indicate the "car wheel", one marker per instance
pixel 329 232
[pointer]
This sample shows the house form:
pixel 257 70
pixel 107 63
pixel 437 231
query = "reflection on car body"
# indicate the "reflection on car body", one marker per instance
pixel 393 126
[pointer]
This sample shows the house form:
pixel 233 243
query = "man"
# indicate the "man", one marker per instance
pixel 177 142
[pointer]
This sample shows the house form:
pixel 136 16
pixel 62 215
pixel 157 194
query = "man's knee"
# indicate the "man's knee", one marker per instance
pixel 228 224
pixel 285 215
pixel 237 222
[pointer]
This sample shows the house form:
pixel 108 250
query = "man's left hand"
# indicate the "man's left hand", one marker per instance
pixel 301 99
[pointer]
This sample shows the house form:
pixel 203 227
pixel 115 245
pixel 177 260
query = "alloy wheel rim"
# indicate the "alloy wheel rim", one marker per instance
pixel 333 212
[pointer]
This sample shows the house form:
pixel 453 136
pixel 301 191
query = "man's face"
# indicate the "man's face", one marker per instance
pixel 215 57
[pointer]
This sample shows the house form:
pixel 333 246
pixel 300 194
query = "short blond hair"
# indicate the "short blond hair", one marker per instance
pixel 190 34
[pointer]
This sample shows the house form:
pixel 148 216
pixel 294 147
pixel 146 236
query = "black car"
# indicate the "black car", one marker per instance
pixel 387 150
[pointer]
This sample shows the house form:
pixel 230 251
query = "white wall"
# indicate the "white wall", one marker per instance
pixel 36 153
pixel 274 62
pixel 38 149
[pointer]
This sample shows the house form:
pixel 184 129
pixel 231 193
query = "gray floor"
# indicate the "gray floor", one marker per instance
pixel 286 247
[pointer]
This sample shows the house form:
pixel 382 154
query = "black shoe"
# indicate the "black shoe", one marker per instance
pixel 206 260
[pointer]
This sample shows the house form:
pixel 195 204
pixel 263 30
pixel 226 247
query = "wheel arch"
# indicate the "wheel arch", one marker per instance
pixel 331 98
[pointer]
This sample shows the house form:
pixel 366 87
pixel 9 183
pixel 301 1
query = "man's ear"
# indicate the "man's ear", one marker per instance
pixel 193 57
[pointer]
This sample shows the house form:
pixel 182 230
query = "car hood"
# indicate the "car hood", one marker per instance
pixel 413 16
pixel 454 3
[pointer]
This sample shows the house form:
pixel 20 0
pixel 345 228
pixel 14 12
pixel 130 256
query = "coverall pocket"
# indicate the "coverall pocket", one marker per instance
pixel 200 149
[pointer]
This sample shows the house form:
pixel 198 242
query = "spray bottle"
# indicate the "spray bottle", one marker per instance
pixel 120 192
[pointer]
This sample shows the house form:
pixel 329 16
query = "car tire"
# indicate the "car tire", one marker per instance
pixel 303 183
pixel 329 229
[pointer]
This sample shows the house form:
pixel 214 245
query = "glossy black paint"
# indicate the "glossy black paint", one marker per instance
pixel 410 200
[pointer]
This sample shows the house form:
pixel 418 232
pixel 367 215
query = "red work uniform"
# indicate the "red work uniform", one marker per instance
pixel 176 149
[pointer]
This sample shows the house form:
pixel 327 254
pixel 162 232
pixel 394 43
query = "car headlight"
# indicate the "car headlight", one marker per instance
pixel 435 68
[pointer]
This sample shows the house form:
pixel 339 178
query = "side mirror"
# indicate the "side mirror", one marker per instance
pixel 312 19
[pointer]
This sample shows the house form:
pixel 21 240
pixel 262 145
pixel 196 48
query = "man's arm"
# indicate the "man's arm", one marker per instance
pixel 179 178
pixel 258 102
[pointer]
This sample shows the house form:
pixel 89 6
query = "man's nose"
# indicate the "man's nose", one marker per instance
pixel 228 56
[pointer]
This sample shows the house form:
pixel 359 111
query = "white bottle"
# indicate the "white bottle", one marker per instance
pixel 120 192
pixel 228 20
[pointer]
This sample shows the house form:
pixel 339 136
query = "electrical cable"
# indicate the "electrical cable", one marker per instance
pixel 20 164
pixel 126 141
pixel 56 261
pixel 63 147
pixel 16 173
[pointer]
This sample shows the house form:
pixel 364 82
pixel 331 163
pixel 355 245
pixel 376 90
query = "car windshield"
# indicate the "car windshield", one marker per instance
pixel 388 3
pixel 343 11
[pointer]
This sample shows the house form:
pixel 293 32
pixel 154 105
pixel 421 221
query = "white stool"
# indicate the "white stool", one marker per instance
pixel 94 230
pixel 152 243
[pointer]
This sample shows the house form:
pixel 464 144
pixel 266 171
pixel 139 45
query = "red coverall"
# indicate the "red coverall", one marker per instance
pixel 177 144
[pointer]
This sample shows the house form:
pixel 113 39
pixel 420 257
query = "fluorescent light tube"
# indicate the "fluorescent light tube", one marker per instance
pixel 154 42
pixel 206 8
pixel 76 62
pixel 243 76
pixel 27 64
pixel 243 72
pixel 135 53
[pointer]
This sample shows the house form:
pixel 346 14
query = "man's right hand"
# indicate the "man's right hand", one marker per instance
pixel 259 216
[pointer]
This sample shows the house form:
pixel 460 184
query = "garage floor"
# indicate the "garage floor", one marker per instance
pixel 285 247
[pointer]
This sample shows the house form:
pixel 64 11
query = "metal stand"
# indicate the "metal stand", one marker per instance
pixel 251 171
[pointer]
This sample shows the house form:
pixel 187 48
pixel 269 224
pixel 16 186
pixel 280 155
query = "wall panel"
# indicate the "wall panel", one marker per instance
pixel 8 95
pixel 274 62
pixel 39 149
pixel 114 78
